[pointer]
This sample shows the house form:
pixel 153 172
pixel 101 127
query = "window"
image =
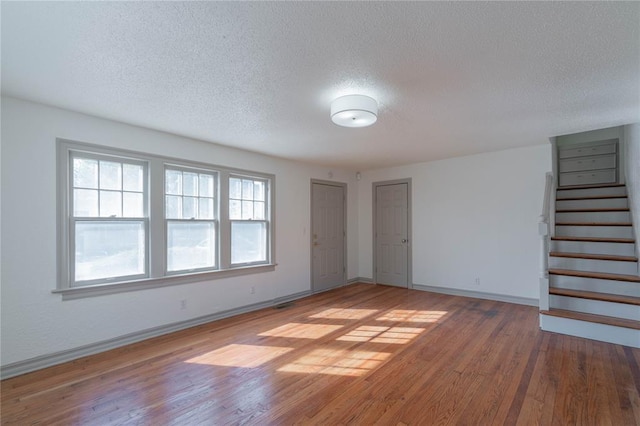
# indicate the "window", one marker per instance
pixel 131 220
pixel 108 221
pixel 248 213
pixel 191 225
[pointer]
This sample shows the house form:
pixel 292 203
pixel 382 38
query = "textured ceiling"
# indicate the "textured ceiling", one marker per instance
pixel 451 78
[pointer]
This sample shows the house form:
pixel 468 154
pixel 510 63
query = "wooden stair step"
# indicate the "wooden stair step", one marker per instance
pixel 596 239
pixel 620 209
pixel 597 275
pixel 593 224
pixel 594 256
pixel 605 185
pixel 600 319
pixel 592 295
pixel 592 197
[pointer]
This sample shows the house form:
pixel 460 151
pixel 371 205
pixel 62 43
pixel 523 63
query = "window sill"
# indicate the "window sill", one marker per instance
pixel 149 283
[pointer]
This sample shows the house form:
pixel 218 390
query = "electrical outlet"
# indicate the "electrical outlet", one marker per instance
pixel 183 304
pixel 253 290
pixel 477 281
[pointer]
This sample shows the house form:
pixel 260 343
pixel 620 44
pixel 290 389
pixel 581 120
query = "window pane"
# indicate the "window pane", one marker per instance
pixel 132 204
pixel 258 190
pixel 205 206
pixel 247 189
pixel 110 175
pixel 235 209
pixel 235 188
pixel 109 249
pixel 132 177
pixel 110 203
pixel 206 186
pixel 190 183
pixel 189 208
pixel 248 242
pixel 85 203
pixel 173 182
pixel 258 210
pixel 247 210
pixel 190 245
pixel 174 207
pixel 85 173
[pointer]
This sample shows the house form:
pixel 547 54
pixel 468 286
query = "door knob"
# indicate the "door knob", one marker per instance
pixel 405 241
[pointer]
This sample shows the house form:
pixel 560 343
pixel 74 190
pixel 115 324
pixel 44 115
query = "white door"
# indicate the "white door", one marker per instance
pixel 327 236
pixel 392 234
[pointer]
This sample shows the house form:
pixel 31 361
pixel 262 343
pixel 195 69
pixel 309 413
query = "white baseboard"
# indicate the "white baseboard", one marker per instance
pixel 478 295
pixel 360 280
pixel 48 360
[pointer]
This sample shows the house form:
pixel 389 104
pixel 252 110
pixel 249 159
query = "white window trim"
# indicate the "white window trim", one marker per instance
pixel 156 250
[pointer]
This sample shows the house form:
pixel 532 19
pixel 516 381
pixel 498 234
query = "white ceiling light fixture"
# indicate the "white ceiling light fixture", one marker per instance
pixel 354 111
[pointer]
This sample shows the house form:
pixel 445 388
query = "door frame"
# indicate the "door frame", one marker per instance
pixel 344 222
pixel 375 186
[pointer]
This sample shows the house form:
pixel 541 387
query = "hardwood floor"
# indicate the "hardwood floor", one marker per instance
pixel 358 355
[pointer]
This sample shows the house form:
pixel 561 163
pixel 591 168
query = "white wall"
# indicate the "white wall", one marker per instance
pixel 36 322
pixel 472 216
pixel 632 160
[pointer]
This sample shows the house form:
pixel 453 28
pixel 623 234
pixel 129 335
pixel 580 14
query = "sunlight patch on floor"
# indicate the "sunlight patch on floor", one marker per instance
pixel 245 356
pixel 412 316
pixel 301 331
pixel 336 362
pixel 375 334
pixel 346 313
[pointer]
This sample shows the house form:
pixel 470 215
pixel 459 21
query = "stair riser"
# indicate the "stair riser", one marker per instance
pixel 589 247
pixel 621 288
pixel 597 307
pixel 593 217
pixel 600 203
pixel 594 231
pixel 601 332
pixel 592 192
pixel 592 265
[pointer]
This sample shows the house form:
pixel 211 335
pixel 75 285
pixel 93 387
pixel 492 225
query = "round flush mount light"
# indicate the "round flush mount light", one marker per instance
pixel 354 111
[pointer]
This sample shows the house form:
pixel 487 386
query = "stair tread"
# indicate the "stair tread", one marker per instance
pixel 605 297
pixel 592 197
pixel 593 223
pixel 594 256
pixel 613 209
pixel 595 239
pixel 598 275
pixel 601 319
pixel 606 185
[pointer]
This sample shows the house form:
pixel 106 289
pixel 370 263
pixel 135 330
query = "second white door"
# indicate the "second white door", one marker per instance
pixel 391 234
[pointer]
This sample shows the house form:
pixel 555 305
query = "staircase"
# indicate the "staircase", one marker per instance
pixel 594 286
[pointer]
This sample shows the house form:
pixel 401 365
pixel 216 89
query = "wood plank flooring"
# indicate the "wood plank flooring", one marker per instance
pixel 359 355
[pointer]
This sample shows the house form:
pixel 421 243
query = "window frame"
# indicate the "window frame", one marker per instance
pixel 156 234
pixel 216 217
pixel 74 220
pixel 265 221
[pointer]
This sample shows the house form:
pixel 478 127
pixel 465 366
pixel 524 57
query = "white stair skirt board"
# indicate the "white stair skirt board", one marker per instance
pixel 621 288
pixel 594 231
pixel 591 247
pixel 589 330
pixel 591 192
pixel 594 217
pixel 597 203
pixel 592 265
pixel 597 307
